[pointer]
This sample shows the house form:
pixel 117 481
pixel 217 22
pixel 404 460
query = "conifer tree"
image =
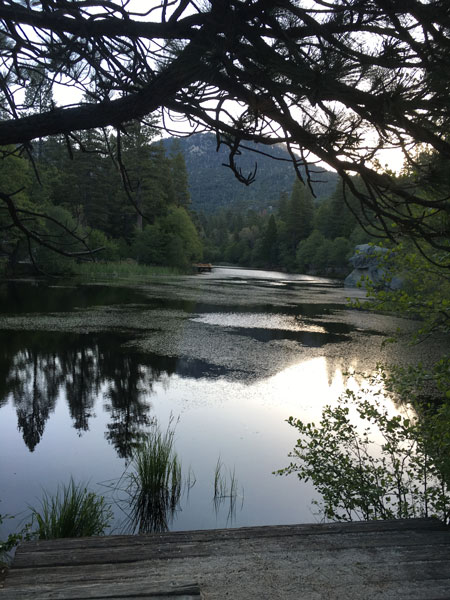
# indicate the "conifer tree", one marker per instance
pixel 269 247
pixel 300 213
pixel 179 176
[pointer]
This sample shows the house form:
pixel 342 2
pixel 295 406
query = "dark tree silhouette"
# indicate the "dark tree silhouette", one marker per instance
pixel 334 81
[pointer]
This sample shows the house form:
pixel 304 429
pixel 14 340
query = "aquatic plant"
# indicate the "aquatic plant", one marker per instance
pixel 221 487
pixel 154 481
pixel 8 544
pixel 73 511
pixel 225 488
pixel 219 480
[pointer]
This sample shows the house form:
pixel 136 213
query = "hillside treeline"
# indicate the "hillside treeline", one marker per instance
pixel 73 196
pixel 299 235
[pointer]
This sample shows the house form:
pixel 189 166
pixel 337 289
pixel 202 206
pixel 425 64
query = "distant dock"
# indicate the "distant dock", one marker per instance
pixel 203 267
pixel 382 560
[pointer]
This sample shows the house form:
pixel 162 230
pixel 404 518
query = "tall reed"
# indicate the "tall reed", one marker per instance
pixel 225 488
pixel 72 512
pixel 154 482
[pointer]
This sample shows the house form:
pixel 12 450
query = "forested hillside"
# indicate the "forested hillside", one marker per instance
pixel 296 235
pixel 213 186
pixel 139 206
pixel 76 198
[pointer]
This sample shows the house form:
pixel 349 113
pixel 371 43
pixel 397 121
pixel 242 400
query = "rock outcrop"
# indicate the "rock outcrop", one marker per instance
pixel 367 262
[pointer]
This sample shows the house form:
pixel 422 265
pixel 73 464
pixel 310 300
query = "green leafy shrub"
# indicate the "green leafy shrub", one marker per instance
pixel 358 479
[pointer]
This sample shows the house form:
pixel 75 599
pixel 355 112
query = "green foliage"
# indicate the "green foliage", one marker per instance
pixel 149 245
pixel 57 231
pixel 15 177
pixel 85 201
pixel 340 251
pixel 334 218
pixel 409 475
pixel 7 545
pixel 72 512
pixel 179 175
pixel 358 479
pixel 285 239
pixel 427 389
pixel 109 249
pixel 179 225
pixel 307 251
pixel 269 245
pixel 300 214
pixel 171 241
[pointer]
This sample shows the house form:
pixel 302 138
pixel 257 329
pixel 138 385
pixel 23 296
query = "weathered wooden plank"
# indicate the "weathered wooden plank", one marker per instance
pixel 116 590
pixel 244 532
pixel 34 557
pixel 370 567
pixel 355 561
pixel 326 556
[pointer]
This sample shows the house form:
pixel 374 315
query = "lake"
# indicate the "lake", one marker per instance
pixel 224 357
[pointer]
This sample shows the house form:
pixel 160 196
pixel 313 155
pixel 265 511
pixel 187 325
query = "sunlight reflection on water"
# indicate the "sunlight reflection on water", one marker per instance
pixel 258 320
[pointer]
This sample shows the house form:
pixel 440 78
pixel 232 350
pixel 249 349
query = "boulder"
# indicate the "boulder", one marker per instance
pixel 367 262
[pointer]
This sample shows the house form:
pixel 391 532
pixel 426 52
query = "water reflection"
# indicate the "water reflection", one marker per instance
pixel 82 384
pixel 15 296
pixel 126 403
pixel 29 377
pixel 39 368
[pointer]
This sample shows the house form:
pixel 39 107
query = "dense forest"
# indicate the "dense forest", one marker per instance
pixel 140 209
pixel 79 199
pixel 297 235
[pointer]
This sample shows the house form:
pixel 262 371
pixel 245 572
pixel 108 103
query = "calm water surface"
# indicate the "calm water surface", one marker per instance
pixel 228 356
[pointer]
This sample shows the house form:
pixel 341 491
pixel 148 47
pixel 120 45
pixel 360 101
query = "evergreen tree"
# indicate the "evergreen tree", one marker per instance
pixel 142 168
pixel 269 246
pixel 283 204
pixel 300 213
pixel 179 176
pixel 334 218
pixel 15 178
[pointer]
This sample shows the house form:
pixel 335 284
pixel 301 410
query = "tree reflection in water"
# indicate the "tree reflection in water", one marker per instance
pixel 31 378
pixel 129 412
pixel 37 368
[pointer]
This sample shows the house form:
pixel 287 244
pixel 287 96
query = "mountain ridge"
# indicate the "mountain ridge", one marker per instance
pixel 213 186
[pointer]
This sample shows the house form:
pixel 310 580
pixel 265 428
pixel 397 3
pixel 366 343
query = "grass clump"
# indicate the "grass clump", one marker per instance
pixel 154 482
pixel 72 512
pixel 121 270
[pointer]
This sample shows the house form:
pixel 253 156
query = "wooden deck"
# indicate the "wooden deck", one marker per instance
pixel 377 560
